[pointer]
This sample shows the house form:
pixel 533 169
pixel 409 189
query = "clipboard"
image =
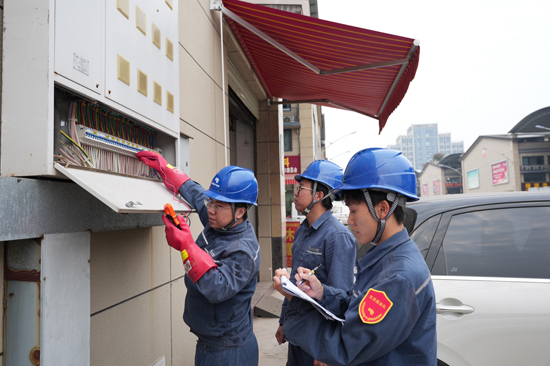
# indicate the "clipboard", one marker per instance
pixel 293 290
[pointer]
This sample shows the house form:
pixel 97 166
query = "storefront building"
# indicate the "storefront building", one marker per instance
pixel 89 259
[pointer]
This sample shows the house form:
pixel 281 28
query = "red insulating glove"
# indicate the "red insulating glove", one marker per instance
pixel 195 260
pixel 172 177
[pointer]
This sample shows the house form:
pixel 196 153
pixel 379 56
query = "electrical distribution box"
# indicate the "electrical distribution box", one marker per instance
pixel 87 84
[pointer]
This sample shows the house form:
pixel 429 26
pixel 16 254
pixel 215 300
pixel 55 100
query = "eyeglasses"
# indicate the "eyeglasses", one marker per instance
pixel 217 208
pixel 300 187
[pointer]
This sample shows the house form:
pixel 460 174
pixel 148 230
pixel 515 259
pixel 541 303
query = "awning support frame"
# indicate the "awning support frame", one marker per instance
pixel 341 106
pixel 315 69
pixel 308 101
pixel 375 65
pixel 268 39
pixel 318 101
pixel 412 50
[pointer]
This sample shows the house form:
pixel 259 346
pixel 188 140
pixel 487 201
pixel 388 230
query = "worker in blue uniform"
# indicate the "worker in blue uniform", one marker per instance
pixel 221 266
pixel 319 240
pixel 390 314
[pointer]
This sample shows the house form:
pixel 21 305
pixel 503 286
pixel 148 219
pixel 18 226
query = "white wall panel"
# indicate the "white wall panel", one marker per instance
pixel 79 28
pixel 125 37
pixel 65 300
pixel 27 90
pixel 75 44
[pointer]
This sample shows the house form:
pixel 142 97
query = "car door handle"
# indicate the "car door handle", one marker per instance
pixel 461 309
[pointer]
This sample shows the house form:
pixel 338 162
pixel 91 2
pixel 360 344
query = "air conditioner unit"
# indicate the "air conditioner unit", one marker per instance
pixel 289 119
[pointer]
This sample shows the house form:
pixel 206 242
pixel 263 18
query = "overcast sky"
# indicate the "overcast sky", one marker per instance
pixel 484 66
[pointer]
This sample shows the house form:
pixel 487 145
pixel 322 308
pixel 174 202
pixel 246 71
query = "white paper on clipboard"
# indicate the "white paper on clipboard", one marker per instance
pixel 291 289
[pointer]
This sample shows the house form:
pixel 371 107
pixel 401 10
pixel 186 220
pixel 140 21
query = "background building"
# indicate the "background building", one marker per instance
pixel 303 141
pixel 89 278
pixel 422 141
pixel 430 181
pixel 533 139
pixel 517 161
pixel 98 283
pixel 303 123
pixel 496 153
pixel 443 177
pixel 452 171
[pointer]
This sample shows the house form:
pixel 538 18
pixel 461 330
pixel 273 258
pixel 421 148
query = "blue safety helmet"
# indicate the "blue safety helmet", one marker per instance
pixel 380 169
pixel 234 184
pixel 322 171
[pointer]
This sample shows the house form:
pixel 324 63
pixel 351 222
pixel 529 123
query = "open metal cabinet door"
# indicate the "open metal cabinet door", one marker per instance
pixel 123 194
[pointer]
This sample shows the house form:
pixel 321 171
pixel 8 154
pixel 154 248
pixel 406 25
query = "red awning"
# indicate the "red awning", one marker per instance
pixel 309 60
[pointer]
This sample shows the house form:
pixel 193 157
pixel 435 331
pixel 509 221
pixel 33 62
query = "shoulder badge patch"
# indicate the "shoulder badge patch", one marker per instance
pixel 374 306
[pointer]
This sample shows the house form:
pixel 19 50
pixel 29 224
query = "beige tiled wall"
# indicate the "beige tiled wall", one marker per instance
pixel 136 308
pixel 201 90
pixel 270 176
pixel 306 136
pixel 183 342
pixel 125 263
pixel 136 332
pixel 136 279
pixel 137 283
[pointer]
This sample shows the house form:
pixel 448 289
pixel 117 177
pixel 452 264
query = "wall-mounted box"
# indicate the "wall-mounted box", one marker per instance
pixel 89 51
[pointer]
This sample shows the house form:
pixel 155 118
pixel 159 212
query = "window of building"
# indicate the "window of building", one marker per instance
pixel 286 107
pixel 533 160
pixel 288 140
pixel 534 177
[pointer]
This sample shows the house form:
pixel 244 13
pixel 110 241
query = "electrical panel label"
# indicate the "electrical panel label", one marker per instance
pixel 81 64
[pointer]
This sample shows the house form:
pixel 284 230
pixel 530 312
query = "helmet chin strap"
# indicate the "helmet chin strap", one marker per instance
pixel 308 209
pixel 381 222
pixel 233 221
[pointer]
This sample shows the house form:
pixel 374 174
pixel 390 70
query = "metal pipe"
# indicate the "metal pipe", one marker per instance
pixel 374 65
pixel 223 91
pixel 269 40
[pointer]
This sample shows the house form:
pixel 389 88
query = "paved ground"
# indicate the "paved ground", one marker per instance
pixel 271 354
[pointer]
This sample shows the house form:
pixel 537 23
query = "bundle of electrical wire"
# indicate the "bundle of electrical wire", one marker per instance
pixel 80 153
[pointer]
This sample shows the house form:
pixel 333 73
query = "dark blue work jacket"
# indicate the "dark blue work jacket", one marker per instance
pixel 394 324
pixel 329 243
pixel 218 307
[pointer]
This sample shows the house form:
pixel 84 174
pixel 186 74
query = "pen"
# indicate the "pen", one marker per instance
pixel 312 272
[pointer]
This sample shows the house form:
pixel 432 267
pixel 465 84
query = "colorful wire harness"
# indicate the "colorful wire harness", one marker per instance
pixel 105 140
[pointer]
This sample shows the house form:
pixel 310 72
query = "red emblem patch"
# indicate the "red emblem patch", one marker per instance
pixel 374 306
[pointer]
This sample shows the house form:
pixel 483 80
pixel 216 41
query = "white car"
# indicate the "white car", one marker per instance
pixel 340 211
pixel 489 256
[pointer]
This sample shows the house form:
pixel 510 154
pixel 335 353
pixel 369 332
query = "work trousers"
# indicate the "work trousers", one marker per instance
pixel 298 357
pixel 245 355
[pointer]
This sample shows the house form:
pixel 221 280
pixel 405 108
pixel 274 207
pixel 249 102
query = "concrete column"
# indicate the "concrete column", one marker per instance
pixel 307 136
pixel 271 203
